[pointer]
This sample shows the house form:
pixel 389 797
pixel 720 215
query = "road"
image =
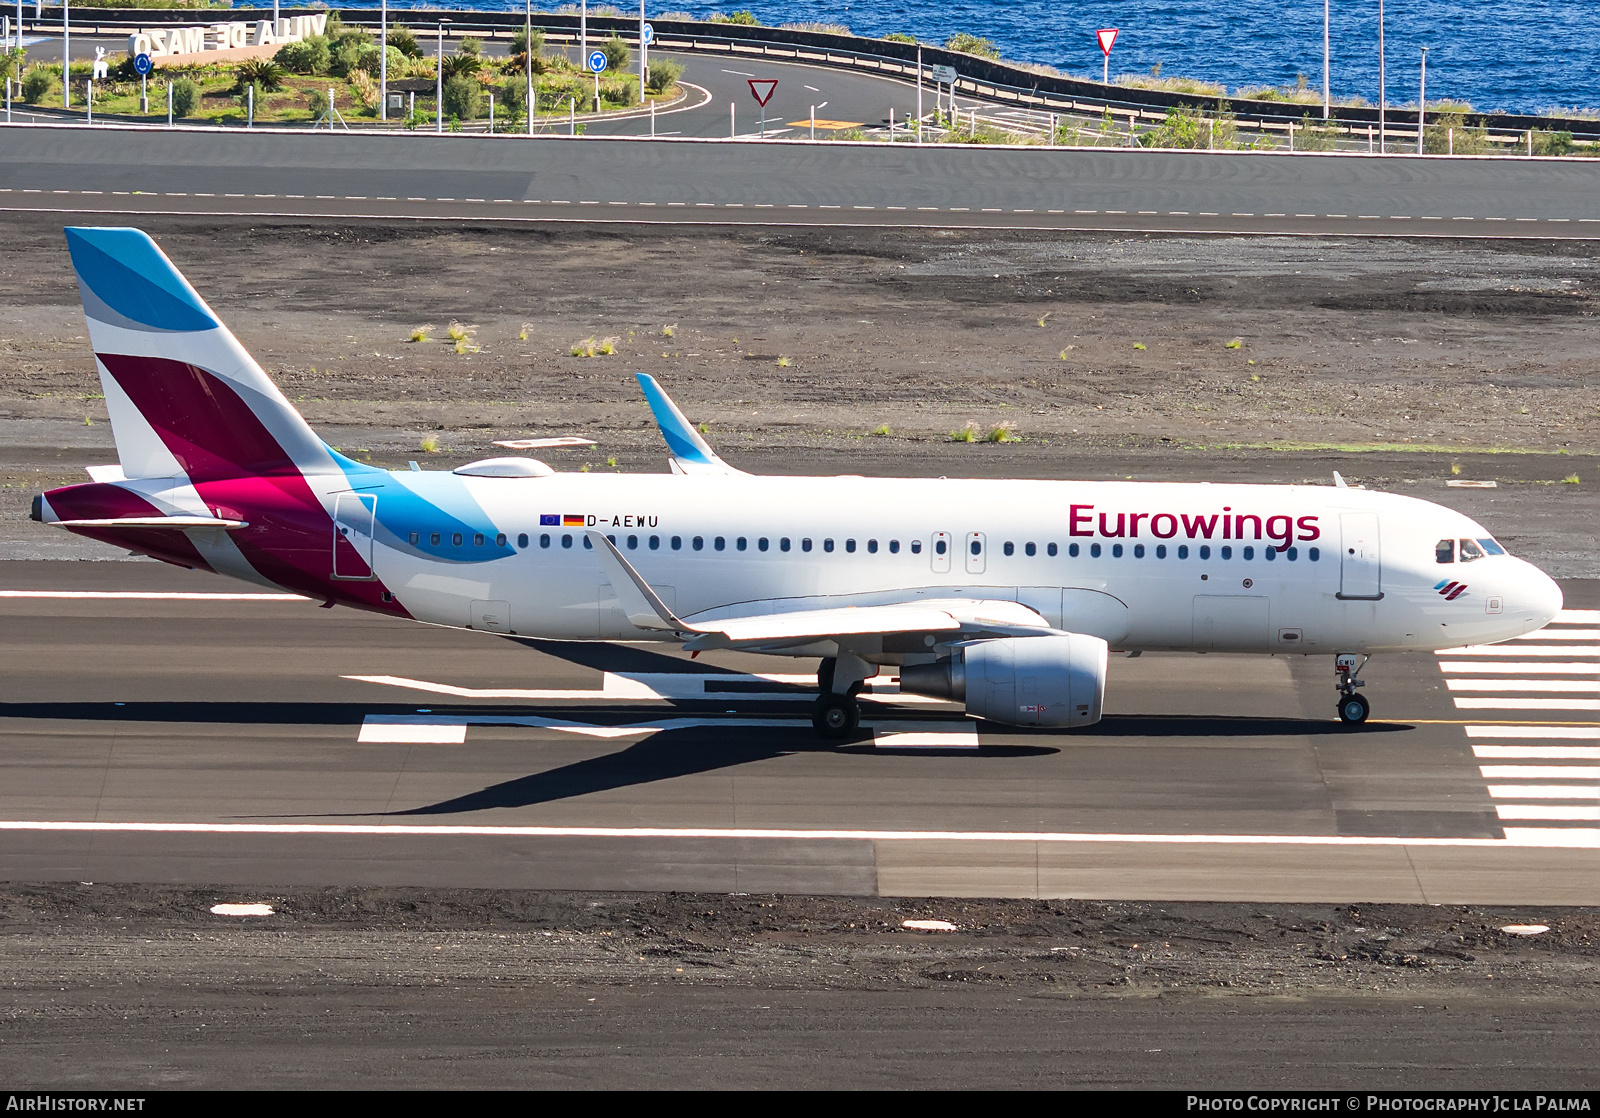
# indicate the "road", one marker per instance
pixel 161 739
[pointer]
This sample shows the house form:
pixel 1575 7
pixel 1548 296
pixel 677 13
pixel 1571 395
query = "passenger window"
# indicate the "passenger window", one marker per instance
pixel 977 547
pixel 805 543
pixel 850 546
pixel 1138 551
pixel 1293 553
pixel 783 544
pixel 1313 554
pixel 455 539
pixel 1492 548
pixel 894 547
pixel 1011 548
pixel 613 539
pixel 872 547
pixel 544 539
pixel 1270 554
pixel 741 543
pixel 698 543
pixel 916 547
pixel 1470 551
pixel 1227 553
pixel 1094 550
pixel 1205 551
pixel 1030 549
pixel 1249 553
pixel 416 537
pixel 1444 551
pixel 566 541
pixel 1051 550
pixel 827 544
pixel 1072 550
pixel 655 543
pixel 761 544
pixel 938 547
pixel 1116 551
pixel 500 540
pixel 677 543
pixel 1161 551
pixel 633 543
pixel 720 544
pixel 434 539
pixel 588 544
pixel 1183 551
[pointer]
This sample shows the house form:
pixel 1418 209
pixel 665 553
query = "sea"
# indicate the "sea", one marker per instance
pixel 1523 56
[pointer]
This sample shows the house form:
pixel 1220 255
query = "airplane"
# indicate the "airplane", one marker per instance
pixel 1005 596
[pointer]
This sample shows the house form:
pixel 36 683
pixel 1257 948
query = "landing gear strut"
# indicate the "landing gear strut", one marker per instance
pixel 838 714
pixel 1353 708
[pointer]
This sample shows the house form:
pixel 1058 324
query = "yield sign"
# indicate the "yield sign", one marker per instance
pixel 761 89
pixel 1107 36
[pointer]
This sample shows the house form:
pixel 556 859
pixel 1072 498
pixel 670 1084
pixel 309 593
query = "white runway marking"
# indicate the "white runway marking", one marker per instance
pixel 1549 634
pixel 925 735
pixel 412 730
pixel 1587 838
pixel 1543 792
pixel 1549 686
pixel 1537 753
pixel 1552 812
pixel 1538 730
pixel 1528 704
pixel 1577 617
pixel 152 596
pixel 1523 650
pixel 1511 667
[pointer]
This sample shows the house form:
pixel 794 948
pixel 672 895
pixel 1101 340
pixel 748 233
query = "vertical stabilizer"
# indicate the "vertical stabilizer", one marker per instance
pixel 691 454
pixel 184 396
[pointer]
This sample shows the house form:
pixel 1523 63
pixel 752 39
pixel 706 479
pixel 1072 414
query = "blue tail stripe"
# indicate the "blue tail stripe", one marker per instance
pixel 124 272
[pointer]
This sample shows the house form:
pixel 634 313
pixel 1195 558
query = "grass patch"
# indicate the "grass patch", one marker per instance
pixel 1140 345
pixel 669 331
pixel 429 444
pixel 584 348
pixel 1235 344
pixel 784 362
pixel 420 334
pixel 1003 433
pixel 965 434
pixel 1570 479
pixel 881 430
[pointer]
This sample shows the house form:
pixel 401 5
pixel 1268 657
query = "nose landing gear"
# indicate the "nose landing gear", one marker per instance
pixel 1353 708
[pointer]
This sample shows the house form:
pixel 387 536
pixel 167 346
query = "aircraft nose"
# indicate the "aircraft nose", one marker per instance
pixel 1538 597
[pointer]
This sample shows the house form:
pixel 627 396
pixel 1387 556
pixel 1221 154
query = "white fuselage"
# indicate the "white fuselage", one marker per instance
pixel 1241 568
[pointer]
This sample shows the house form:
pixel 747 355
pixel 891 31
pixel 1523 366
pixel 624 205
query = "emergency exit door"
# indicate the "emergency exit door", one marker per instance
pixel 1360 559
pixel 353 518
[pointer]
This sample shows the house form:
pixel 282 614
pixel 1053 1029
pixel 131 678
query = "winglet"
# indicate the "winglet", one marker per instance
pixel 691 454
pixel 1338 480
pixel 644 609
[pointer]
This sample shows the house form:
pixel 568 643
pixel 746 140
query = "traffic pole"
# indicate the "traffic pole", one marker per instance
pixel 1422 98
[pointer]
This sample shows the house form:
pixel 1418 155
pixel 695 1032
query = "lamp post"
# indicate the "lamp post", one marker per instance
pixel 1383 102
pixel 383 61
pixel 1327 101
pixel 583 31
pixel 644 53
pixel 438 90
pixel 66 58
pixel 1422 98
pixel 527 56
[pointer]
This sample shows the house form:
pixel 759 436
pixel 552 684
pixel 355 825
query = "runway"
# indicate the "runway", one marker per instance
pixel 175 738
pixel 72 169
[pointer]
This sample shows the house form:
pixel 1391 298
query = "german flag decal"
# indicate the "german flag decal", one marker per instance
pixel 571 520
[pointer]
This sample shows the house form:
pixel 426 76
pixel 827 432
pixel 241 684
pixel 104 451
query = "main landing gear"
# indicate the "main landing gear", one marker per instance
pixel 1353 708
pixel 837 714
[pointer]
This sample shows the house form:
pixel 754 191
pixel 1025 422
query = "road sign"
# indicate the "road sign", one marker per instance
pixel 649 34
pixel 1107 37
pixel 597 60
pixel 761 89
pixel 142 64
pixel 945 75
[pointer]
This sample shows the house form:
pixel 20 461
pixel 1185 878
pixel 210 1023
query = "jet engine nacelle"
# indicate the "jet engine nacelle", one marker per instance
pixel 1021 681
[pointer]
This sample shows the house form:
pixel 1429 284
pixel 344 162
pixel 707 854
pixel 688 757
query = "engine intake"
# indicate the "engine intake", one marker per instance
pixel 1021 681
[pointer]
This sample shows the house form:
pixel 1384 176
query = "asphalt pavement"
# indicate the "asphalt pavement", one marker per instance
pixel 269 740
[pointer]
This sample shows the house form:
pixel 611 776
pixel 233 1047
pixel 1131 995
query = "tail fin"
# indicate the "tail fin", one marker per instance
pixel 690 453
pixel 183 394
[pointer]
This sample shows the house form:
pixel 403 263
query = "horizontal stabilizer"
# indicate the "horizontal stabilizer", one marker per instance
pixel 157 522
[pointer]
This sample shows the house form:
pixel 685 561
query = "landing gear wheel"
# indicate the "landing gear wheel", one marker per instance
pixel 1353 709
pixel 836 716
pixel 825 674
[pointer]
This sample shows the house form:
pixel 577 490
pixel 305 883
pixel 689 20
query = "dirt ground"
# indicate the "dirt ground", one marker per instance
pixel 142 986
pixel 1401 362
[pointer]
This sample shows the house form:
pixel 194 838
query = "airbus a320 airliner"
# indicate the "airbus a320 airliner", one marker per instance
pixel 1006 596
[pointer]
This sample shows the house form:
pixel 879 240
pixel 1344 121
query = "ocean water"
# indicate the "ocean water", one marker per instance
pixel 1498 55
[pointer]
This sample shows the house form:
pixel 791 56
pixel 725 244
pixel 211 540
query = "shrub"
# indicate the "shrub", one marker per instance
pixel 617 54
pixel 746 19
pixel 309 56
pixel 1449 130
pixel 185 97
pixel 366 88
pixel 37 84
pixel 1187 127
pixel 967 43
pixel 900 37
pixel 264 73
pixel 519 41
pixel 463 97
pixel 470 44
pixel 461 65
pixel 513 94
pixel 623 91
pixel 404 40
pixel 1316 135
pixel 11 61
pixel 663 74
pixel 822 28
pixel 1552 143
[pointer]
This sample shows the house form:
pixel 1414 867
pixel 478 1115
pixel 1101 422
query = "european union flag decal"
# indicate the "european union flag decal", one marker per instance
pixel 547 519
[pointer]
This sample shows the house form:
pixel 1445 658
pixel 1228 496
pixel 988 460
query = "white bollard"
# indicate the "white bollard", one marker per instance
pixel 1530 141
pixel 169 102
pixel 572 116
pixel 652 120
pixel 813 121
pixel 88 104
pixel 411 107
pixel 733 124
pixel 891 124
pixel 250 106
pixel 491 114
pixel 1450 138
pixel 1291 136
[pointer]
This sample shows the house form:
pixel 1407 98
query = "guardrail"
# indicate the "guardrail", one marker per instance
pixel 987 80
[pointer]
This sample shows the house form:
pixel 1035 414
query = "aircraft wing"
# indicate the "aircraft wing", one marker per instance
pixel 691 454
pixel 950 618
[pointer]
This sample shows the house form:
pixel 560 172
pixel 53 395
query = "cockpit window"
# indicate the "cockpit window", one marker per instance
pixel 1491 548
pixel 1470 551
pixel 1444 551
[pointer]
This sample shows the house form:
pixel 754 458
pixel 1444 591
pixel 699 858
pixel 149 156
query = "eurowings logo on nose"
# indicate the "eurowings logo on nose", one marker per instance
pixel 1450 591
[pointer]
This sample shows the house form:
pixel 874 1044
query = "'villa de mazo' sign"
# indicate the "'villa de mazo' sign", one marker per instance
pixel 223 42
